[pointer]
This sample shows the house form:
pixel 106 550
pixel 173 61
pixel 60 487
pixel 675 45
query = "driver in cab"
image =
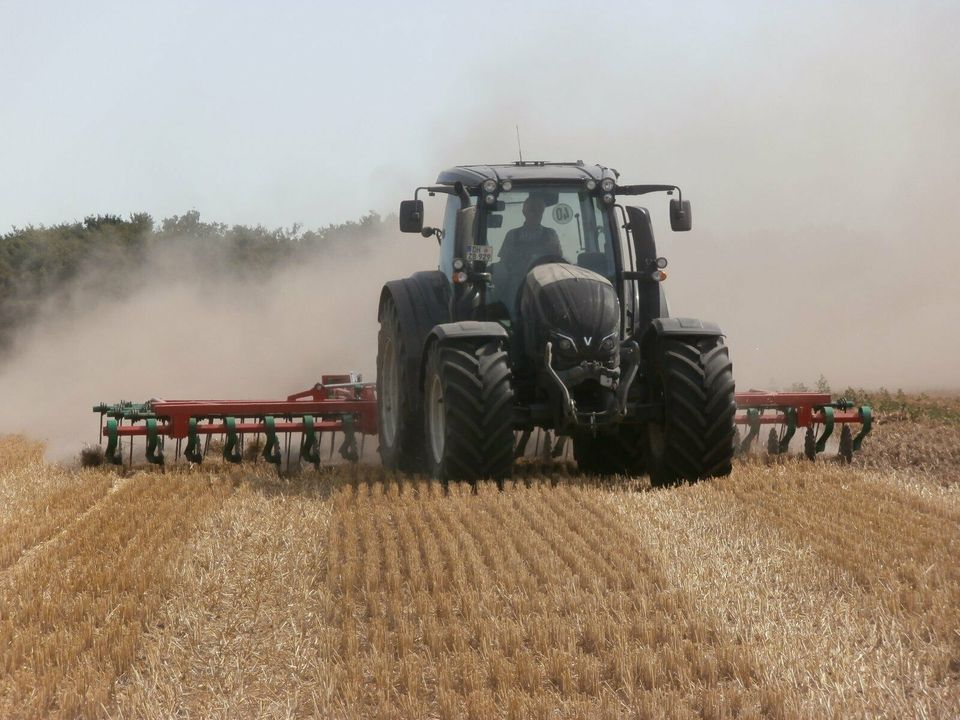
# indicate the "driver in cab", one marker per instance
pixel 530 241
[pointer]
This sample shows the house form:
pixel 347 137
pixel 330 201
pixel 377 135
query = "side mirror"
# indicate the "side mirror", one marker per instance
pixel 411 216
pixel 680 217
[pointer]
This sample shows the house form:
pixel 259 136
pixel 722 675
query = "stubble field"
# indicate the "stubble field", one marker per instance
pixel 787 590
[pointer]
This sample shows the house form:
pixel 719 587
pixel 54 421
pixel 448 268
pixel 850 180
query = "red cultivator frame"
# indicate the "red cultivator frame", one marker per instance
pixel 344 404
pixel 339 403
pixel 790 411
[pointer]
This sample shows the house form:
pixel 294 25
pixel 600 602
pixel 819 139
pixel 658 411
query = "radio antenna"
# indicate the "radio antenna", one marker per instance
pixel 519 150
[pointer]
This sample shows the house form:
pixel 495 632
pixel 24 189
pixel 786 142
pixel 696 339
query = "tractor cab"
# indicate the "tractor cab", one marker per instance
pixel 501 221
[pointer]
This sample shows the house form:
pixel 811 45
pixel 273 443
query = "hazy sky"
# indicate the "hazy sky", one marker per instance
pixel 819 142
pixel 314 112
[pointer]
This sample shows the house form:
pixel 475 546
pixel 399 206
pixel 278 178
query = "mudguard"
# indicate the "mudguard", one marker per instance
pixel 676 327
pixel 458 331
pixel 684 326
pixel 467 329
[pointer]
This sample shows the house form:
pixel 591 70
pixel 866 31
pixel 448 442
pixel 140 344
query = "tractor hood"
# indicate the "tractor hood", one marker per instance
pixel 559 300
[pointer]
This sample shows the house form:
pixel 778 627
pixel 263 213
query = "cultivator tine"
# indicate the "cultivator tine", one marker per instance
pixel 845 451
pixel 791 429
pixel 348 450
pixel 828 422
pixel 333 444
pixel 113 443
pixel 192 451
pixel 271 447
pixel 154 443
pixel 753 422
pixel 866 418
pixel 231 445
pixel 773 442
pixel 809 444
pixel 309 448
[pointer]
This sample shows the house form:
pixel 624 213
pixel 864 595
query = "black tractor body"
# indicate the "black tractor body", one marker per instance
pixel 547 311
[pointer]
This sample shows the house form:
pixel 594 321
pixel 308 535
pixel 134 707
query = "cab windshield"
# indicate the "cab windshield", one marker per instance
pixel 545 224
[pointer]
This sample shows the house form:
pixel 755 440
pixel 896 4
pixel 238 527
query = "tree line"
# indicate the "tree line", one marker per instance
pixel 38 263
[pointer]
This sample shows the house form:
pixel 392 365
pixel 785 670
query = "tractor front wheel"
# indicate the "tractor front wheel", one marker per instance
pixel 468 417
pixel 693 378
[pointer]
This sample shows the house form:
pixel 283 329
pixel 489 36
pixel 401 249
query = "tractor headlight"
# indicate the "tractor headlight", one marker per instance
pixel 565 344
pixel 608 343
pixel 608 198
pixel 591 185
pixel 458 264
pixel 506 186
pixel 490 186
pixel 489 199
pixel 607 185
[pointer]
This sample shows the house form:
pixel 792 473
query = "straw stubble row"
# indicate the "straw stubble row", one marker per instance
pixel 846 583
pixel 527 602
pixel 71 613
pixel 785 591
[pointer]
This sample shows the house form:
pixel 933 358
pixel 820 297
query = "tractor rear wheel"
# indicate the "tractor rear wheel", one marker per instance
pixel 693 378
pixel 618 453
pixel 468 418
pixel 399 409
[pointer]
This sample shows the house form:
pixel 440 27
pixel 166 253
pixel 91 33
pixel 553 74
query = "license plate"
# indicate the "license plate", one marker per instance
pixel 483 253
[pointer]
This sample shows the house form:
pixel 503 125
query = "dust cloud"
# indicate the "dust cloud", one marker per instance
pixel 199 334
pixel 818 144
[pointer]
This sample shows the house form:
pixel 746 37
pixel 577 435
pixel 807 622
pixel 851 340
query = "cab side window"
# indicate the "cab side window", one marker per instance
pixel 449 236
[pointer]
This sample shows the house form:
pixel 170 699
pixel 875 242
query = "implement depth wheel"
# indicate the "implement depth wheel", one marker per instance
pixel 399 411
pixel 468 415
pixel 694 380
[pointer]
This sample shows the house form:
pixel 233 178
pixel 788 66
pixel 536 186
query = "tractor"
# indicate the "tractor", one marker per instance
pixel 547 310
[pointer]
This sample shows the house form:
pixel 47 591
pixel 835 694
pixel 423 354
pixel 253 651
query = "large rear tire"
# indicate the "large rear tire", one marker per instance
pixel 694 380
pixel 468 410
pixel 617 453
pixel 399 408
